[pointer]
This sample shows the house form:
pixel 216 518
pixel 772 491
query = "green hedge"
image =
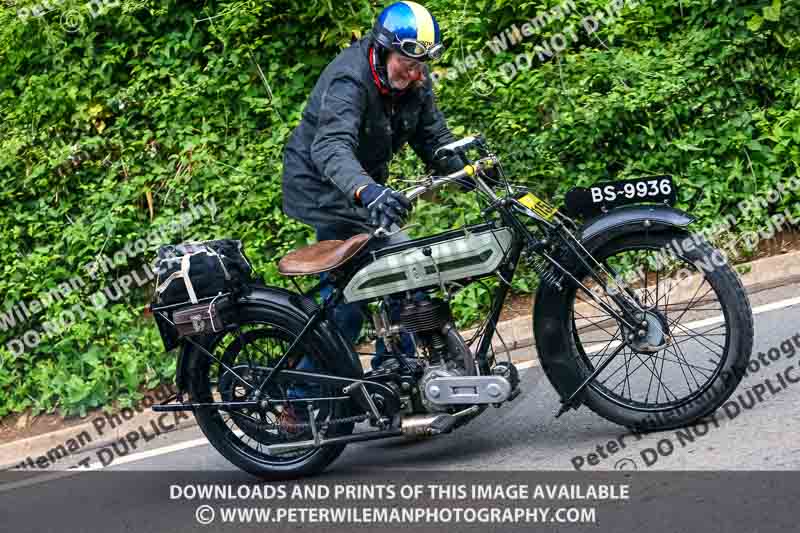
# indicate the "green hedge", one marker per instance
pixel 115 122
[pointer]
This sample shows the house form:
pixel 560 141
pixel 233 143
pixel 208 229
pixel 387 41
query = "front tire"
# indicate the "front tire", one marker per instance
pixel 573 343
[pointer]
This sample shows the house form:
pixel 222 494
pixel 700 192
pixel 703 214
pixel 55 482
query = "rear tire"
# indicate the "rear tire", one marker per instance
pixel 248 453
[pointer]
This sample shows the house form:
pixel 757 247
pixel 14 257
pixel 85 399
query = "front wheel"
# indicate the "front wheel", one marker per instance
pixel 699 333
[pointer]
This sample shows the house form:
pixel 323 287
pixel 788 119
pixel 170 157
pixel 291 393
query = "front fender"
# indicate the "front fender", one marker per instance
pixel 631 219
pixel 299 308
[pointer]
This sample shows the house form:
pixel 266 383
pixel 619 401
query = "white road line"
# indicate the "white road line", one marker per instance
pixel 774 306
pixel 99 466
pixel 203 442
pixel 194 443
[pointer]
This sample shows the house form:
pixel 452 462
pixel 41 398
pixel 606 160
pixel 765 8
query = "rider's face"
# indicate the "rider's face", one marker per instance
pixel 403 71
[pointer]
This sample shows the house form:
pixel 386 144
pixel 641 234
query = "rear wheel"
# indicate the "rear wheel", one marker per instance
pixel 243 436
pixel 699 340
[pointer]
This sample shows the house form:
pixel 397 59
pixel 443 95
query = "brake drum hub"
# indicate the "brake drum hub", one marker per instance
pixel 652 336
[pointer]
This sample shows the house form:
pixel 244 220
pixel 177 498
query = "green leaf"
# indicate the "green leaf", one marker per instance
pixel 773 12
pixel 755 23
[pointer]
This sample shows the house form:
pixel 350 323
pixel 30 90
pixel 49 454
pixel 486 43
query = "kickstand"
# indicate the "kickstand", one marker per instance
pixel 573 402
pixel 566 405
pixel 313 422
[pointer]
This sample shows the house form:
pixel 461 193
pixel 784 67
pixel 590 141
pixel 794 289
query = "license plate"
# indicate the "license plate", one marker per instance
pixel 591 201
pixel 538 206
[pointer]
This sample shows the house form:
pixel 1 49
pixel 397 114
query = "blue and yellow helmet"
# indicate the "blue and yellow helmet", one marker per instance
pixel 409 29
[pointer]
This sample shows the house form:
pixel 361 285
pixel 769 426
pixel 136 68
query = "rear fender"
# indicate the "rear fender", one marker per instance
pixel 338 352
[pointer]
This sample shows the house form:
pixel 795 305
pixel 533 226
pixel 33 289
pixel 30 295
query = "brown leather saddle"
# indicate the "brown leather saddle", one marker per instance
pixel 321 256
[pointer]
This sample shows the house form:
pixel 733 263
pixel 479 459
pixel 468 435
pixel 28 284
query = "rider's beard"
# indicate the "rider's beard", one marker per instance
pixel 398 85
pixel 401 85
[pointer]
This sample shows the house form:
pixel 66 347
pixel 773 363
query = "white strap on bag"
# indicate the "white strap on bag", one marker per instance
pixel 182 273
pixel 185 264
pixel 161 288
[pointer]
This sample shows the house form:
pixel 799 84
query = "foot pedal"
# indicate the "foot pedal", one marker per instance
pixel 443 424
pixel 168 407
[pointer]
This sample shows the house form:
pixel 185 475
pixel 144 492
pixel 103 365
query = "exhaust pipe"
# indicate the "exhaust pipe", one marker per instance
pixel 412 426
pixel 420 425
pixel 430 425
pixel 275 449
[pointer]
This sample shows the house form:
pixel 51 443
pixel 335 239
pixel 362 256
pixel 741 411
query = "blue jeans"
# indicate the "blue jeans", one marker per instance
pixel 349 317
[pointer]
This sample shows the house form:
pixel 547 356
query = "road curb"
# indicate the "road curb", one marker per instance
pixel 759 275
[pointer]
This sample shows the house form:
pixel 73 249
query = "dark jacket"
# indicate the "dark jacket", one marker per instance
pixel 347 136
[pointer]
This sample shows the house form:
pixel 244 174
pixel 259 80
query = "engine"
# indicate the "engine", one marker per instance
pixel 443 350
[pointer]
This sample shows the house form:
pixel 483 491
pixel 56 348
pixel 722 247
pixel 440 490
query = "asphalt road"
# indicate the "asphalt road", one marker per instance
pixel 524 435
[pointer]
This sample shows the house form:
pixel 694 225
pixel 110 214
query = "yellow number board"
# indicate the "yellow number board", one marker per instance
pixel 538 206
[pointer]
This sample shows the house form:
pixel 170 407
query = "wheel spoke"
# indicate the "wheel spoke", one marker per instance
pixel 256 429
pixel 665 296
pixel 690 306
pixel 655 304
pixel 704 335
pixel 678 351
pixel 700 307
pixel 688 385
pixel 697 336
pixel 597 324
pixel 652 374
pixel 668 299
pixel 592 304
pixel 641 363
pixel 605 350
pixel 628 375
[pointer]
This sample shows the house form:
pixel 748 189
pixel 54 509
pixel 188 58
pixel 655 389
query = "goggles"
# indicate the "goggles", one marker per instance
pixel 419 50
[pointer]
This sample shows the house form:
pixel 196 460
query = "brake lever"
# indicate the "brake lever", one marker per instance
pixel 383 233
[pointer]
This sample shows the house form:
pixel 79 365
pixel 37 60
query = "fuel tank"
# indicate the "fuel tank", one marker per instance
pixel 468 254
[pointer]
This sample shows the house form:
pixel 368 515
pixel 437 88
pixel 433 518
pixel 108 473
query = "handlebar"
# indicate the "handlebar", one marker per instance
pixel 434 182
pixel 469 171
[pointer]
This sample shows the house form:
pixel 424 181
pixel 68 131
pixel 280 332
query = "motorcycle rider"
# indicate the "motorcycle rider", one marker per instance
pixel 371 100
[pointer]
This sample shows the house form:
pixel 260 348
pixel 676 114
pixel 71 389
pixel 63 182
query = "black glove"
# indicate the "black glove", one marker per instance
pixel 385 205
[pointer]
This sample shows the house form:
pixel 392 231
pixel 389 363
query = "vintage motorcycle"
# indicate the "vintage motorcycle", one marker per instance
pixel 634 317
